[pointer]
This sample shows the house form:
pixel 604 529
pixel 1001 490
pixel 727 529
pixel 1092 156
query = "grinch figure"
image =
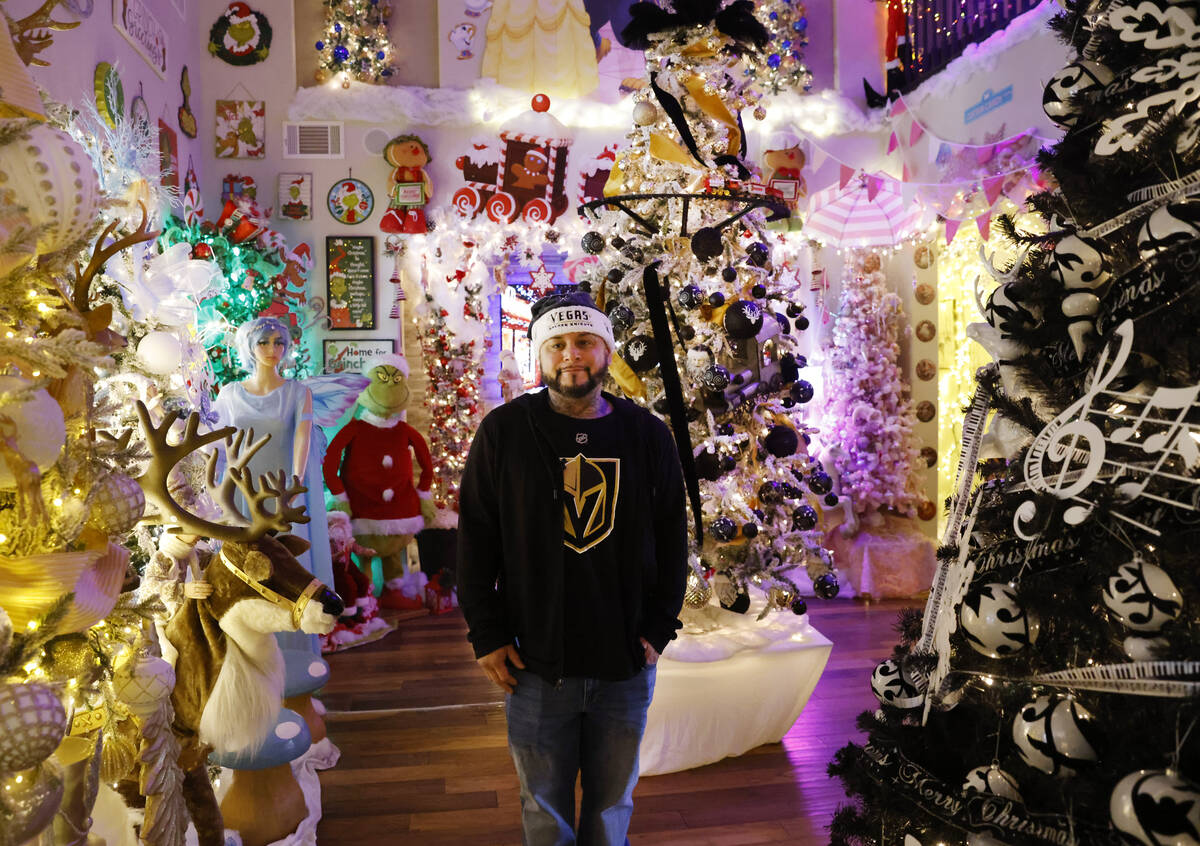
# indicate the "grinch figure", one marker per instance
pixel 369 470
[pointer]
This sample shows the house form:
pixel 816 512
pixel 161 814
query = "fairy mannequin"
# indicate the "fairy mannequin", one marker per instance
pixel 267 402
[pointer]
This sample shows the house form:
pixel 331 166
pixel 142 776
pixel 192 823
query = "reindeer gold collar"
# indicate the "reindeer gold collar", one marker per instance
pixel 295 607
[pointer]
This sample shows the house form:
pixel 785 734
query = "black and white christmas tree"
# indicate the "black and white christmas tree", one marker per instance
pixel 1057 665
pixel 706 325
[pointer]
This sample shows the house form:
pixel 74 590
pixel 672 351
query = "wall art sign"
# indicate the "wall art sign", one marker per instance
pixel 350 201
pixel 241 36
pixel 134 20
pixel 350 355
pixel 350 278
pixel 241 129
pixel 989 102
pixel 168 152
pixel 295 196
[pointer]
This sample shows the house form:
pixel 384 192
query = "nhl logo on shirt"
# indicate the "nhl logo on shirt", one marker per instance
pixel 591 485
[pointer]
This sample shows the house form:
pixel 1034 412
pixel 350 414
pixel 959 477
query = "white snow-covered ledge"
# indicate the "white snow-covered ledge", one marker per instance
pixel 820 114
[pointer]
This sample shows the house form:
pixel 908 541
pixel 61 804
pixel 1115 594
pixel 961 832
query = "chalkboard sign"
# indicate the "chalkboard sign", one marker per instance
pixel 350 279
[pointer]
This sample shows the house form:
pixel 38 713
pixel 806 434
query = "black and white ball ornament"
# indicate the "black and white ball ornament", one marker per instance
pixel 1144 648
pixel 592 243
pixel 994 624
pixel 1069 82
pixel 1143 596
pixel 621 316
pixel 1078 262
pixel 820 482
pixel 641 353
pixel 893 684
pixel 723 529
pixel 708 465
pixel 690 296
pixel 992 780
pixel 743 319
pixel 758 253
pixel 1055 734
pixel 1174 223
pixel 1156 807
pixel 715 377
pixel 804 518
pixel 826 585
pixel 770 493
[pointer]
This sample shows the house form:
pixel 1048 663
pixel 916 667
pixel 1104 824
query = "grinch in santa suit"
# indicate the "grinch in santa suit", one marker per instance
pixel 369 470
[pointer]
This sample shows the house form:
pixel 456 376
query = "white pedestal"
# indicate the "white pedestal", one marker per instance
pixel 724 690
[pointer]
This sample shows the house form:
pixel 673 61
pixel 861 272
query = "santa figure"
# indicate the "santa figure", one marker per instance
pixel 369 470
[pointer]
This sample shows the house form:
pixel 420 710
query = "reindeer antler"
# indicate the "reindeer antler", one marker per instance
pixel 237 479
pixel 164 456
pixel 101 254
pixel 30 36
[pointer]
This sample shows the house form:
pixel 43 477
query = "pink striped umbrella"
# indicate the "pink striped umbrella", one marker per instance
pixel 850 217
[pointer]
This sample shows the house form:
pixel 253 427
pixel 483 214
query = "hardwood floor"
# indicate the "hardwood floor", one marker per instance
pixel 424 756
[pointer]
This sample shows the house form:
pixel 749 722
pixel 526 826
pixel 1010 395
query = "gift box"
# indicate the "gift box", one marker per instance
pixel 439 598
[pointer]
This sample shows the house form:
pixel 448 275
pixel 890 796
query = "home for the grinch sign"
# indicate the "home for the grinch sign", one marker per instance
pixel 133 19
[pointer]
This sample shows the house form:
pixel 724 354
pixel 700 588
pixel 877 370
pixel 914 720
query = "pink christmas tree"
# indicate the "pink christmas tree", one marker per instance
pixel 870 413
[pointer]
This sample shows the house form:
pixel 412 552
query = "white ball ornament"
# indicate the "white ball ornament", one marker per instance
pixel 1174 223
pixel 645 113
pixel 40 430
pixel 1143 596
pixel 1069 82
pixel 1055 734
pixel 994 624
pixel 53 178
pixel 894 684
pixel 1143 648
pixel 32 724
pixel 991 779
pixel 1079 263
pixel 116 504
pixel 160 353
pixel 1156 807
pixel 142 681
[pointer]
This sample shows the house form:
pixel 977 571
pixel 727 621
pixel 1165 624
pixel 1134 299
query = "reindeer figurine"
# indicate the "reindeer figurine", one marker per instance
pixel 228 666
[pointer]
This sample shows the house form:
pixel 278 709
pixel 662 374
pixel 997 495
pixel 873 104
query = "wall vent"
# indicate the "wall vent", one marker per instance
pixel 310 140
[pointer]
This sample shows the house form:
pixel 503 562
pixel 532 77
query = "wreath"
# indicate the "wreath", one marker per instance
pixel 241 36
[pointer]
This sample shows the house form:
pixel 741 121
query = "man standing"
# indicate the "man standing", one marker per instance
pixel 572 562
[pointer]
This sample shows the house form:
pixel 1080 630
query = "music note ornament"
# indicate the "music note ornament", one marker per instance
pixel 1072 452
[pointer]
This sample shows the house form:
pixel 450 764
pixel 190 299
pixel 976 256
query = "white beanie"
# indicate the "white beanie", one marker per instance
pixel 560 314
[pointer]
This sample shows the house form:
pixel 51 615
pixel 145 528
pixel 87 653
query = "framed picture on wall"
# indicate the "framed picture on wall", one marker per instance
pixel 350 279
pixel 295 196
pixel 350 355
pixel 168 153
pixel 241 129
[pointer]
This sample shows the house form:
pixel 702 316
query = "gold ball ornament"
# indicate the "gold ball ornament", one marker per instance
pixel 645 113
pixel 69 658
pixel 39 428
pixel 698 592
pixel 32 723
pixel 780 598
pixel 760 113
pixel 119 752
pixel 117 504
pixel 143 681
pixel 6 632
pixel 51 176
pixel 321 75
pixel 31 798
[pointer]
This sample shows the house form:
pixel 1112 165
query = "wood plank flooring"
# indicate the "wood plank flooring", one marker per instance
pixel 425 760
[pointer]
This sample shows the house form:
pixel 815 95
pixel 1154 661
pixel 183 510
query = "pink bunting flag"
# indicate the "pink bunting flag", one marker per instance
pixel 984 154
pixel 873 186
pixel 817 158
pixel 898 107
pixel 847 175
pixel 992 187
pixel 984 222
pixel 952 229
pixel 905 174
pixel 893 143
pixel 914 133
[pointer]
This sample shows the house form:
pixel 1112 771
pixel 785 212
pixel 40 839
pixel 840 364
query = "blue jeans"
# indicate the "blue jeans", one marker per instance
pixel 583 727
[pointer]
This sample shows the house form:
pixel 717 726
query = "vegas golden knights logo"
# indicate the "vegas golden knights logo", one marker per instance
pixel 592 485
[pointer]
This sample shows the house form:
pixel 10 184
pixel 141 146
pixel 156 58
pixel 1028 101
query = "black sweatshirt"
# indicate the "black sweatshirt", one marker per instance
pixel 510 536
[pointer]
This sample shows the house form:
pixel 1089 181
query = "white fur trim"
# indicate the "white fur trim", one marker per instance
pixel 425 494
pixel 387 461
pixel 241 709
pixel 381 422
pixel 570 318
pixel 342 497
pixel 388 494
pixel 398 526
